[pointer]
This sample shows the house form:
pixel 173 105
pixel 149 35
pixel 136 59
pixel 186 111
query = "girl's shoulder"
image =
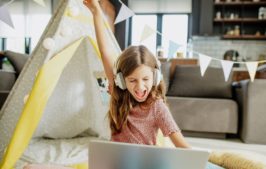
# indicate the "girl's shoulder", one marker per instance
pixel 159 104
pixel 159 108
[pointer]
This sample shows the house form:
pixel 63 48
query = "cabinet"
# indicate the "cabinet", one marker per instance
pixel 178 61
pixel 239 75
pixel 239 19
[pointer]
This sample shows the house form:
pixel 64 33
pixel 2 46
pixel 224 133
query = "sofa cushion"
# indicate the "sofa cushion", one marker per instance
pixel 165 69
pixel 188 82
pixel 18 60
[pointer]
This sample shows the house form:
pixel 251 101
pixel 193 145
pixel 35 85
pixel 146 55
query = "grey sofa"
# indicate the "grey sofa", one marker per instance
pixel 7 77
pixel 201 106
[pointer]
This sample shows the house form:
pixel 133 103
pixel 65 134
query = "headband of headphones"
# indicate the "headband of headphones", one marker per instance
pixel 121 83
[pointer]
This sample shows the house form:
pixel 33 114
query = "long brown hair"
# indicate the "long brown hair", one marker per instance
pixel 121 100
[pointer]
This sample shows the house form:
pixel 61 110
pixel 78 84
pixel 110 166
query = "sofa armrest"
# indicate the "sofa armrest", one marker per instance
pixel 252 101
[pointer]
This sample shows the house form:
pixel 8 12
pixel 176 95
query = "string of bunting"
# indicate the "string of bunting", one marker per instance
pixel 204 60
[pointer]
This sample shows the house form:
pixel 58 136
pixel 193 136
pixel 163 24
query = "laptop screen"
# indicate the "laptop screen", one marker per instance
pixel 114 155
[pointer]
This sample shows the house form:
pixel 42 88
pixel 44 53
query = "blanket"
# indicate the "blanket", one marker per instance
pixel 230 159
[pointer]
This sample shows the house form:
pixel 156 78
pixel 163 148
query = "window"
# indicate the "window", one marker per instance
pixel 30 20
pixel 175 28
pixel 138 23
pixel 171 26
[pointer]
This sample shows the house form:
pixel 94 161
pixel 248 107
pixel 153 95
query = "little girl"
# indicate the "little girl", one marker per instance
pixel 137 106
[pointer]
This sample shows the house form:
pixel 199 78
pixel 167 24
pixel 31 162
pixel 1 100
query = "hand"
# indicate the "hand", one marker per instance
pixel 91 4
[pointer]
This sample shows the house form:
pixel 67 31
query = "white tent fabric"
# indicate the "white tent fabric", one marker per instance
pixel 78 104
pixel 56 151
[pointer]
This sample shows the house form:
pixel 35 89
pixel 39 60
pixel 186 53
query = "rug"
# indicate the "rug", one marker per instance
pixel 237 159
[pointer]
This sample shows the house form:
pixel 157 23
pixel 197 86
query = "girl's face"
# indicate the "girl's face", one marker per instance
pixel 140 82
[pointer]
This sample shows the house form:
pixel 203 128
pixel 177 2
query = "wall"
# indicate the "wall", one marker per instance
pixel 215 47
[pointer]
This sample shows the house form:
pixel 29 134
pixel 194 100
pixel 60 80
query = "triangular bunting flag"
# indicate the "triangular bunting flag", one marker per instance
pixel 172 49
pixel 123 14
pixel 147 32
pixel 252 68
pixel 40 2
pixel 227 67
pixel 204 62
pixel 5 16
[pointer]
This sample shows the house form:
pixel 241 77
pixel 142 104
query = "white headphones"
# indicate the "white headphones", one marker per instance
pixel 121 83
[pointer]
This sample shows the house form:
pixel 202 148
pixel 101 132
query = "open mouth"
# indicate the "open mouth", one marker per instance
pixel 140 94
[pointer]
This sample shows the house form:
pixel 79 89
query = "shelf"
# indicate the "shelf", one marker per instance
pixel 244 37
pixel 247 20
pixel 254 3
pixel 228 3
pixel 253 37
pixel 240 3
pixel 253 20
pixel 240 20
pixel 228 20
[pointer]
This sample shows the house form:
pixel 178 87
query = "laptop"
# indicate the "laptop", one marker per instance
pixel 115 155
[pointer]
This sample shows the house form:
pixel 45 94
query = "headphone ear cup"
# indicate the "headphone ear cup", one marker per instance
pixel 120 81
pixel 157 77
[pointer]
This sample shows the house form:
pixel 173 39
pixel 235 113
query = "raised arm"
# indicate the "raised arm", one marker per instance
pixel 102 38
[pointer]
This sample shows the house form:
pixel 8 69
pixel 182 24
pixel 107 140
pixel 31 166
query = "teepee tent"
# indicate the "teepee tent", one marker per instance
pixel 67 100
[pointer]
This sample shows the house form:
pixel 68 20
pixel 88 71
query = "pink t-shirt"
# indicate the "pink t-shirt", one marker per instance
pixel 142 126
